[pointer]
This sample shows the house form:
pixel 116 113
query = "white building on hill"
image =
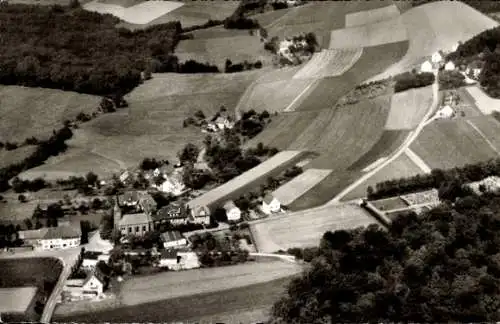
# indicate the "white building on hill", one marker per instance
pixel 270 205
pixel 445 113
pixel 426 67
pixel 233 213
pixel 450 66
pixel 489 184
pixel 437 57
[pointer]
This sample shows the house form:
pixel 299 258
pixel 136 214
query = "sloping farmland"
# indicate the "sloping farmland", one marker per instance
pixel 367 17
pixel 483 102
pixel 329 63
pixel 248 180
pixel 299 185
pixel 408 108
pixel 305 228
pixel 447 144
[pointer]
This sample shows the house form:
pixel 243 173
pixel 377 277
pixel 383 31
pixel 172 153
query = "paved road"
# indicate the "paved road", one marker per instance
pixel 411 137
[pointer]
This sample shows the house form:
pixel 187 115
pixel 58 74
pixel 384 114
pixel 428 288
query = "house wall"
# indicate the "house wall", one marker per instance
pixel 53 244
pixel 89 264
pixel 181 242
pixel 202 220
pixel 93 286
pixel 234 214
pixel 136 229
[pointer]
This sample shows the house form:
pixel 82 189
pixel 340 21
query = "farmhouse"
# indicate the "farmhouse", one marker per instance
pixel 445 113
pixel 50 238
pixel 270 205
pixel 173 239
pixel 437 57
pixel 88 288
pixel 200 215
pixel 136 224
pixel 489 185
pixel 179 260
pixel 450 66
pixel 129 198
pixel 223 122
pixel 172 185
pixel 233 213
pixel 174 213
pixel 426 67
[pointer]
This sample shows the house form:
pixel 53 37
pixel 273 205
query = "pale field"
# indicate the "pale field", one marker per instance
pixel 367 17
pixel 489 128
pixel 401 167
pixel 192 13
pixel 329 63
pixel 305 228
pixel 140 14
pixel 169 285
pixel 299 185
pixel 437 26
pixel 16 300
pixel 408 108
pixel 447 144
pixel 27 112
pixel 250 178
pixel 486 104
pixel 216 50
pixel 379 33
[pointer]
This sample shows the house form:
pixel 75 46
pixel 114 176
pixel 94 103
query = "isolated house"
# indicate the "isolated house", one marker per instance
pixel 450 66
pixel 270 205
pixel 445 112
pixel 173 239
pixel 200 215
pixel 51 238
pixel 233 213
pixel 490 185
pixel 426 67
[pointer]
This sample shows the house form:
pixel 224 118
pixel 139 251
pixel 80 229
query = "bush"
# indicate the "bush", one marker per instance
pixel 409 80
pixel 22 198
pixel 240 22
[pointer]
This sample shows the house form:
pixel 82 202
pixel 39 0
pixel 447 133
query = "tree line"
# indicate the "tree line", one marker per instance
pixel 440 266
pixel 409 80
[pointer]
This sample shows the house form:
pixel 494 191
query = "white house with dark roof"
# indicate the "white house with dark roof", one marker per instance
pixel 233 213
pixel 270 205
pixel 51 238
pixel 90 287
pixel 135 224
pixel 173 239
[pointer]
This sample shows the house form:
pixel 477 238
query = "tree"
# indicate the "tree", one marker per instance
pixel 107 105
pixel 22 198
pixel 189 153
pixel 220 215
pixel 92 178
pixel 73 4
pixel 199 114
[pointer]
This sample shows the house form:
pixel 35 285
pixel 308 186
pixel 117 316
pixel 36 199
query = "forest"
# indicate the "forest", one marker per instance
pixel 440 266
pixel 76 50
pixel 482 47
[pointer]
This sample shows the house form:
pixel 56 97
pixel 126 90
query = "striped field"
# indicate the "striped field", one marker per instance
pixel 299 185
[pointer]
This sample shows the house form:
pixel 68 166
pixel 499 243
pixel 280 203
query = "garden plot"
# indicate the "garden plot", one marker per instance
pixel 408 108
pixel 329 63
pixel 367 17
pixel 383 32
pixel 142 13
pixel 17 299
pixel 485 103
pixel 299 185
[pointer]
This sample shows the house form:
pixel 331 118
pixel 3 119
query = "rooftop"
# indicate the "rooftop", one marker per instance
pixel 135 219
pixel 268 198
pixel 172 236
pixel 47 233
pixel 229 205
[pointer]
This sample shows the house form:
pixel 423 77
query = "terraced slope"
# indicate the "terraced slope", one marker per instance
pixel 371 16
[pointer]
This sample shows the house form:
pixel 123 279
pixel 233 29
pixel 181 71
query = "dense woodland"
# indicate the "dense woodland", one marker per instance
pixel 449 182
pixel 441 266
pixel 483 48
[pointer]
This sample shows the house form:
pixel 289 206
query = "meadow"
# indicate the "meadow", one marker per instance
pixel 408 108
pixel 299 185
pixel 367 17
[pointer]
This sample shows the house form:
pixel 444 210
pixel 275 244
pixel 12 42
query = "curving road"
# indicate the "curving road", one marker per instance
pixel 409 140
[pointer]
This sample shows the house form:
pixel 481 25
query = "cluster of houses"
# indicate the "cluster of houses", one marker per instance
pixel 167 179
pixel 290 46
pixel 223 121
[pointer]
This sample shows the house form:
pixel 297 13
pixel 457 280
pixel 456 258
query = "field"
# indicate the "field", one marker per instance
pixel 299 185
pixel 433 26
pixel 408 108
pixel 16 300
pixel 329 63
pixel 14 211
pixel 248 180
pixel 401 167
pixel 379 33
pixel 215 51
pixel 366 17
pixel 249 304
pixel 303 229
pixel 140 14
pixel 26 112
pixel 486 104
pixel 15 156
pixel 191 13
pixel 446 144
pixel 389 203
pixel 489 128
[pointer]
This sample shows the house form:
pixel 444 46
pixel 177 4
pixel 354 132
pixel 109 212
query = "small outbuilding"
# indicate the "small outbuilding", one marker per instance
pixel 173 239
pixel 270 204
pixel 233 213
pixel 450 66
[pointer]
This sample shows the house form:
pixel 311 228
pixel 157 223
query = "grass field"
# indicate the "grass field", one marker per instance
pixel 446 144
pixel 408 108
pixel 26 112
pixel 249 180
pixel 11 210
pixel 303 229
pixel 486 104
pixel 379 33
pixel 367 17
pixel 433 26
pixel 16 300
pixel 489 128
pixel 15 156
pixel 329 63
pixel 249 304
pixel 215 51
pixel 299 185
pixel 191 13
pixel 401 167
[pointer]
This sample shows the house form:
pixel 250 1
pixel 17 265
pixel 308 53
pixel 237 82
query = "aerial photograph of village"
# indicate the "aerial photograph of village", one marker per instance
pixel 251 161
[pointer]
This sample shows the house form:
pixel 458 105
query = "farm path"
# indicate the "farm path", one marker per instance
pixel 483 136
pixel 406 144
pixel 417 160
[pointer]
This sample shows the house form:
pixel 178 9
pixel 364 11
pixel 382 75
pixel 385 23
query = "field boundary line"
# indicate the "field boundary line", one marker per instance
pixel 417 160
pixel 483 136
pixel 289 107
